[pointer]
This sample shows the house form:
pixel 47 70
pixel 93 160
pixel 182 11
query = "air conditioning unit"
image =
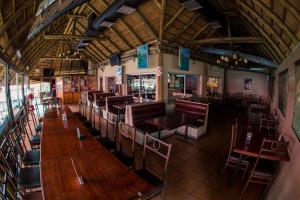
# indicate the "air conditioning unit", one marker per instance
pixel 190 4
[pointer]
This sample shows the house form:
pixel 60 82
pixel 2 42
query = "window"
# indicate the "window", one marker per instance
pixel 15 91
pixel 180 86
pixel 3 103
pixel 142 85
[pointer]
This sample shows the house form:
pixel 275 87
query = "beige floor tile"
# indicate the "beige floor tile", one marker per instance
pixel 175 193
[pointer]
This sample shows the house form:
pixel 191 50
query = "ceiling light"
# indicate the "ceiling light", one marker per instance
pixel 106 23
pixel 126 10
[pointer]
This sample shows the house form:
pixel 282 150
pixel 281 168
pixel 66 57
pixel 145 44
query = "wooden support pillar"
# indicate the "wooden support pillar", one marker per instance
pixel 160 70
pixel 204 80
pixel 225 87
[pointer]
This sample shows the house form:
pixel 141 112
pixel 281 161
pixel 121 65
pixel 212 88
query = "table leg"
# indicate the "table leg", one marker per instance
pixel 158 132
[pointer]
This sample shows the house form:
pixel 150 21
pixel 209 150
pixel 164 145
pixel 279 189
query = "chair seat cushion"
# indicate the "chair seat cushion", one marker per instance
pixel 236 160
pixel 38 128
pixel 29 177
pixel 196 124
pixel 35 139
pixel 146 128
pixel 32 157
pixel 149 177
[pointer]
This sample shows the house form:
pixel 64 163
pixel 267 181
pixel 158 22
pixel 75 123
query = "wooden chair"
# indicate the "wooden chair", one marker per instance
pixel 234 160
pixel 27 178
pixel 127 133
pixel 112 130
pixel 162 150
pixel 33 138
pixel 265 167
pixel 16 141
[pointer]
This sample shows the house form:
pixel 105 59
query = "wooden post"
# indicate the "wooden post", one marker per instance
pixel 159 76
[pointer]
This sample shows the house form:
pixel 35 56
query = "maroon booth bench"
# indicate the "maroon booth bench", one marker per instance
pixel 196 128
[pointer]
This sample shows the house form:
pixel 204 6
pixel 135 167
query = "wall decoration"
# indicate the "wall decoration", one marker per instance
pixel 119 75
pixel 91 83
pixel 296 120
pixel 142 56
pixel 184 58
pixel 248 84
pixel 283 92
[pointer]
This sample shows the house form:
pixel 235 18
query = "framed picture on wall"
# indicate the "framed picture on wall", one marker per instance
pixel 283 91
pixel 248 84
pixel 296 119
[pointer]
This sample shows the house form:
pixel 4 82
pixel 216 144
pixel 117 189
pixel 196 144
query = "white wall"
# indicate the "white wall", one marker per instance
pixel 260 83
pixel 287 183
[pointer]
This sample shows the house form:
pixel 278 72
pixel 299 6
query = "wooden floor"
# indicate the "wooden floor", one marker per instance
pixel 194 169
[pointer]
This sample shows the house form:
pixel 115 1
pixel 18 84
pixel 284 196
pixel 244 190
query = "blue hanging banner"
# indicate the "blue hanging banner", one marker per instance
pixel 142 56
pixel 184 59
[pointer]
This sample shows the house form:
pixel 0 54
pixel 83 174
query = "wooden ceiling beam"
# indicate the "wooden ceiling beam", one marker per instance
pixel 280 53
pixel 14 17
pixel 157 4
pixel 88 54
pixel 208 36
pixel 19 31
pixel 199 32
pixel 146 24
pixel 173 18
pixel 223 40
pixel 269 51
pixel 277 20
pixel 262 21
pixel 291 8
pixel 43 52
pixel 71 37
pixel 194 18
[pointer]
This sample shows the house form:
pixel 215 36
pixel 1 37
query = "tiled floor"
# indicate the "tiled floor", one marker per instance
pixel 194 171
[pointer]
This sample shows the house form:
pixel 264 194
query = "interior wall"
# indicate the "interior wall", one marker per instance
pixel 286 185
pixel 260 82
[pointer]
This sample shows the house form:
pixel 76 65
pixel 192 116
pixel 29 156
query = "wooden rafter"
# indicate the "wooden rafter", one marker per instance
pixel 221 40
pixel 146 24
pixel 194 18
pixel 277 20
pixel 157 4
pixel 173 18
pixel 17 34
pixel 199 32
pixel 120 37
pixel 208 36
pixel 17 14
pixel 71 37
pixel 263 21
pixel 278 50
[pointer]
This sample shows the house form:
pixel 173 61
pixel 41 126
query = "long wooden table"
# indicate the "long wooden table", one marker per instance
pixel 104 176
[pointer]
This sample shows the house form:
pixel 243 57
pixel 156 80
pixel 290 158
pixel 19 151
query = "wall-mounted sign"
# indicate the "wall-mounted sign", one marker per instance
pixel 184 58
pixel 142 56
pixel 248 84
pixel 119 75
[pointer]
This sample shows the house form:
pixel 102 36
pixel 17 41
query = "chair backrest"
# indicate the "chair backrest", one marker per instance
pixel 103 126
pixel 271 150
pixel 129 132
pixel 112 125
pixel 160 148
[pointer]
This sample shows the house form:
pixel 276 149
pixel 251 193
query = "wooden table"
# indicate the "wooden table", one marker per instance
pixel 252 149
pixel 105 177
pixel 172 120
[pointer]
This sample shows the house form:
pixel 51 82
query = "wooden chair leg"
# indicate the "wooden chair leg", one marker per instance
pixel 244 189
